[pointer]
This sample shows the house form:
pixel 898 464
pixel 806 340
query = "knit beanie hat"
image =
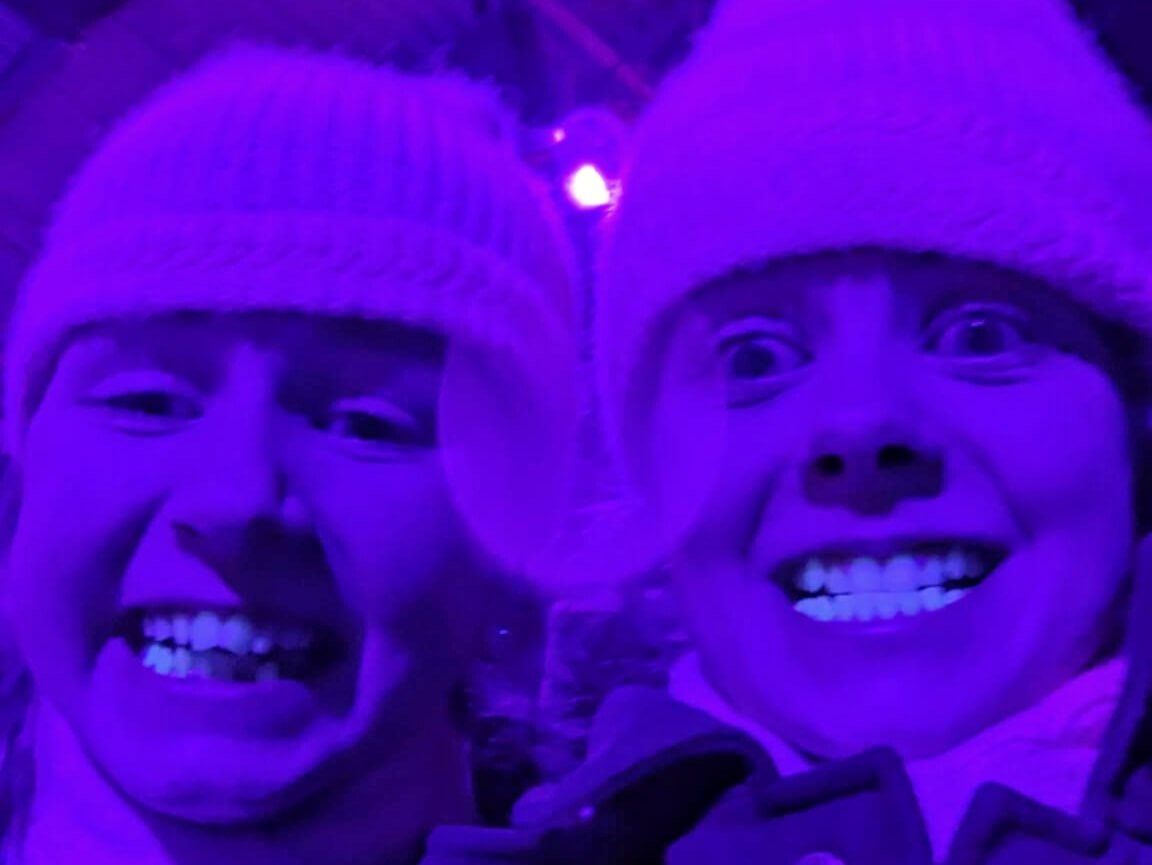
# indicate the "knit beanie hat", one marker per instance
pixel 269 179
pixel 993 130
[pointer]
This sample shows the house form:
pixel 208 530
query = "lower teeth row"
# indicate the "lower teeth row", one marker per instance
pixel 867 606
pixel 182 663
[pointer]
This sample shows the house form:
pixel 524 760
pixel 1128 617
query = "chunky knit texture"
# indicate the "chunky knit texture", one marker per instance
pixel 984 129
pixel 269 179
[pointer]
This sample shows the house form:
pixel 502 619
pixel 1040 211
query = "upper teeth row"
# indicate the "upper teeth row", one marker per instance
pixel 236 633
pixel 900 573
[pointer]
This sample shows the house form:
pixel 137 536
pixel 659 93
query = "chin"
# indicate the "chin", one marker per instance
pixel 911 744
pixel 827 732
pixel 214 806
pixel 220 752
pixel 217 783
pixel 841 742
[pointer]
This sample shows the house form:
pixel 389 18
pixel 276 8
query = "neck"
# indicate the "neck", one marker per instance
pixel 382 819
pixel 1045 752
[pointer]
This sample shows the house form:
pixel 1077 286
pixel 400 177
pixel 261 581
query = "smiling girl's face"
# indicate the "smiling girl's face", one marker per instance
pixel 923 517
pixel 234 542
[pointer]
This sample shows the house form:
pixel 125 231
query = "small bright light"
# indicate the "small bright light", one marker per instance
pixel 558 135
pixel 587 188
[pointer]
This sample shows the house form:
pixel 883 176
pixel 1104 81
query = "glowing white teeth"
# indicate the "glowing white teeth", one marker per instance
pixel 812 578
pixel 206 645
pixel 205 630
pixel 901 574
pixel 866 588
pixel 162 662
pixel 819 609
pixel 181 663
pixel 839 582
pixel 842 608
pixel 932 598
pixel 885 605
pixel 236 635
pixel 955 566
pixel 866 575
pixel 932 572
pixel 181 629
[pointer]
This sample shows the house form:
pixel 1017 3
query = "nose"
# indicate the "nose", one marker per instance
pixel 235 493
pixel 870 468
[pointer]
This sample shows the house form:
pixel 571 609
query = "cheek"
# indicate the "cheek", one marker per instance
pixel 396 543
pixel 79 519
pixel 752 459
pixel 676 442
pixel 710 564
pixel 69 497
pixel 1059 450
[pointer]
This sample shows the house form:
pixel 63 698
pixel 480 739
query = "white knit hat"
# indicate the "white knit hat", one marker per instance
pixel 269 179
pixel 988 129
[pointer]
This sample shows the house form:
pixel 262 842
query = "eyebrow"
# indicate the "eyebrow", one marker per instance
pixel 338 352
pixel 160 346
pixel 747 294
pixel 347 370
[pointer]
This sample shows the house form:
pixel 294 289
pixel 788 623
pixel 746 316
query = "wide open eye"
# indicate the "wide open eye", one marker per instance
pixel 758 357
pixel 979 331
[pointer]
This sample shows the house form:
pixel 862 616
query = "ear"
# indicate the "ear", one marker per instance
pixel 1142 498
pixel 1142 470
pixel 10 488
pixel 9 514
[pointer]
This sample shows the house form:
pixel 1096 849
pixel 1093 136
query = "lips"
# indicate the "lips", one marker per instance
pixel 886 581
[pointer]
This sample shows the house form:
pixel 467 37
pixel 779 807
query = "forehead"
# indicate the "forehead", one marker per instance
pixel 193 339
pixel 810 283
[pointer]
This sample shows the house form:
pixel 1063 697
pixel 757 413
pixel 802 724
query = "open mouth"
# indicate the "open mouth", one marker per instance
pixel 908 580
pixel 230 646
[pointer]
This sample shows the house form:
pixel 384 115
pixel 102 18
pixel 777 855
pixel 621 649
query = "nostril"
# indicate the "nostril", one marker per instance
pixel 185 534
pixel 830 465
pixel 895 457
